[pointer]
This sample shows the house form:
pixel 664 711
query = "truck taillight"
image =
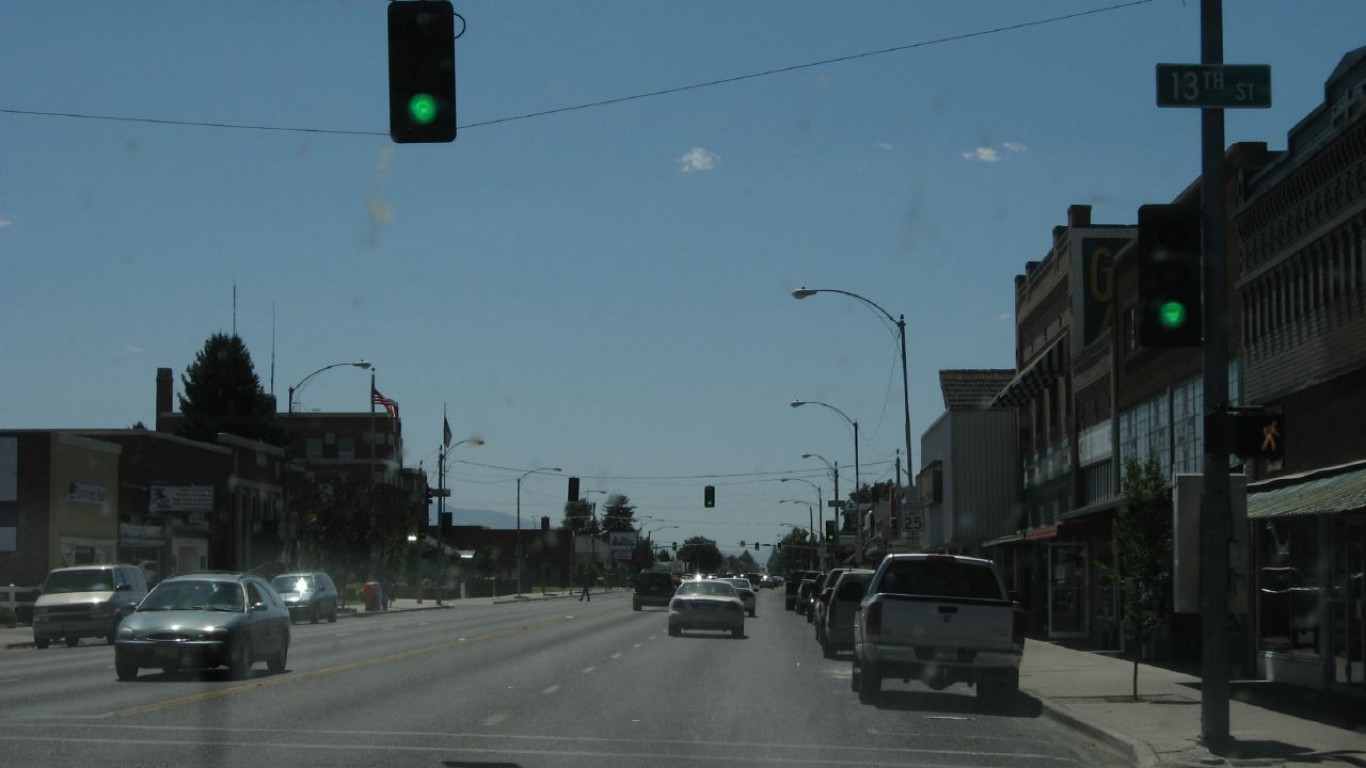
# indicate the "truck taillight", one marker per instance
pixel 1017 634
pixel 872 619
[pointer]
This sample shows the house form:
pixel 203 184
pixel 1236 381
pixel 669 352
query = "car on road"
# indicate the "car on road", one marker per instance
pixel 86 601
pixel 820 598
pixel 308 595
pixel 707 604
pixel 835 632
pixel 745 588
pixel 792 584
pixel 807 592
pixel 654 589
pixel 205 620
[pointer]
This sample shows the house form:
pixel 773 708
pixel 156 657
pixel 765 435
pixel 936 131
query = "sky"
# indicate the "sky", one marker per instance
pixel 606 289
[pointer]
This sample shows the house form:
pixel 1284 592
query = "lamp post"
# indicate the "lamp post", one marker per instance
pixel 820 514
pixel 519 517
pixel 289 444
pixel 443 455
pixel 900 323
pixel 858 485
pixel 810 559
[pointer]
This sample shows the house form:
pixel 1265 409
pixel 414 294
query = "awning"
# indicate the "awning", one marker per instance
pixel 1041 373
pixel 1093 509
pixel 1044 532
pixel 1010 538
pixel 1329 491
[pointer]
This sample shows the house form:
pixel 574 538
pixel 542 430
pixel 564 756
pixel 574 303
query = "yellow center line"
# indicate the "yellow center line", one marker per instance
pixel 326 671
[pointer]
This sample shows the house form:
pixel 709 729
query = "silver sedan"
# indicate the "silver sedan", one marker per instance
pixel 711 604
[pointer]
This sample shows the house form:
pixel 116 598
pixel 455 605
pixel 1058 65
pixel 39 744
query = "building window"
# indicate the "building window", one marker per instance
pixel 313 449
pixel 346 448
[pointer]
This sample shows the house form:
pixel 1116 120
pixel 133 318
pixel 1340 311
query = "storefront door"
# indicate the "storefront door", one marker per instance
pixel 1347 608
pixel 1067 577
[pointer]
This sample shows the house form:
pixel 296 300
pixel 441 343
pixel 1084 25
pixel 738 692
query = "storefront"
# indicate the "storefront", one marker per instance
pixel 1309 539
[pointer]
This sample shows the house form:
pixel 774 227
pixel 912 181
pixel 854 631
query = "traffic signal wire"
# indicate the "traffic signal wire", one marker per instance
pixel 601 102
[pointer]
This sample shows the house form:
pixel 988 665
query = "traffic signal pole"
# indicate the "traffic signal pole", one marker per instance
pixel 1215 524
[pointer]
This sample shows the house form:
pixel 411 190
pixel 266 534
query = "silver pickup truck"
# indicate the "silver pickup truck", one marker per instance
pixel 939 619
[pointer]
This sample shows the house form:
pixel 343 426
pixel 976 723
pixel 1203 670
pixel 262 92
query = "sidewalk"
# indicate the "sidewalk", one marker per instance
pixel 1271 724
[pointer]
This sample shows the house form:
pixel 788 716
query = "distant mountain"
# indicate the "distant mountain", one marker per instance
pixel 491 519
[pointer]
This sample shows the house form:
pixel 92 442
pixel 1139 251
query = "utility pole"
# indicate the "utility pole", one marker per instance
pixel 1215 525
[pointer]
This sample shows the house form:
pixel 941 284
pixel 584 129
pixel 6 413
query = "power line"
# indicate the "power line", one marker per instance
pixel 602 102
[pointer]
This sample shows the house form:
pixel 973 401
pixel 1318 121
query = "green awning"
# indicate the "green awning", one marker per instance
pixel 1330 491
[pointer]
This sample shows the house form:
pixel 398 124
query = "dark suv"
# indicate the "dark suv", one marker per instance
pixel 653 588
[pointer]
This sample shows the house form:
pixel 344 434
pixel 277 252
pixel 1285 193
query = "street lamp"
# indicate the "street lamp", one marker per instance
pixel 834 475
pixel 519 518
pixel 289 450
pixel 443 455
pixel 900 323
pixel 820 504
pixel 852 422
pixel 814 540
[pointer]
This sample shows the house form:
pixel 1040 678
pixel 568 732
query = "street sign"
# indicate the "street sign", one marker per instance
pixel 1223 86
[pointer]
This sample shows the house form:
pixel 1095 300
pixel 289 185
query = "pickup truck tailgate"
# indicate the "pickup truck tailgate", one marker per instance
pixel 952 623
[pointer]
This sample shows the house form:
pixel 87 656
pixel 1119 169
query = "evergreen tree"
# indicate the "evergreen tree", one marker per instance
pixel 223 394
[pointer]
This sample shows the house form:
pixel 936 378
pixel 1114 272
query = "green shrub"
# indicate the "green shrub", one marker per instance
pixel 8 618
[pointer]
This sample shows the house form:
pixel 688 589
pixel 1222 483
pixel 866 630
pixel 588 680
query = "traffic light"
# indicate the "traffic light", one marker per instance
pixel 756 546
pixel 1169 280
pixel 709 496
pixel 421 71
pixel 1259 433
pixel 832 535
pixel 573 489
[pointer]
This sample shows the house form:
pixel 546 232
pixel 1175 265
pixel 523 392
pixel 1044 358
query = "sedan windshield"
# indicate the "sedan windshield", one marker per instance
pixel 194 596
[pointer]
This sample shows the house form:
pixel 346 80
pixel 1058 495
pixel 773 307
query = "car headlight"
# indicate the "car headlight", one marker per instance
pixel 215 633
pixel 125 633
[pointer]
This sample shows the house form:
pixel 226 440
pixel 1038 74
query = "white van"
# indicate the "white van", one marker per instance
pixel 86 601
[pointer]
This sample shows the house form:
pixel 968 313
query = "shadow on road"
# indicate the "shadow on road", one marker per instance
pixel 951 703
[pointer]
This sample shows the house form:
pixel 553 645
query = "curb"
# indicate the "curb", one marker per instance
pixel 1138 752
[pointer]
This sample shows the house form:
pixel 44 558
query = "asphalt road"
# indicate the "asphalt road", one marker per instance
pixel 554 683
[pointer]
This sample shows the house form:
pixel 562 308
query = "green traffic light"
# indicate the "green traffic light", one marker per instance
pixel 422 108
pixel 1172 315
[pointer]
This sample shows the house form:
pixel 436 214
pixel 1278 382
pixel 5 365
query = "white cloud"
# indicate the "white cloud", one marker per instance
pixel 883 145
pixel 135 349
pixel 983 154
pixel 697 159
pixel 380 212
pixel 5 222
pixel 1014 146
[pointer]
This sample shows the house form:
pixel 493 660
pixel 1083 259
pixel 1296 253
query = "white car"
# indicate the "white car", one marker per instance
pixel 706 604
pixel 746 592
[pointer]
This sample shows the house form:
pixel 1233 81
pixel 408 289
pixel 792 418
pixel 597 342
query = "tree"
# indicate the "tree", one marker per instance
pixel 578 518
pixel 795 550
pixel 618 514
pixel 1143 547
pixel 223 394
pixel 701 553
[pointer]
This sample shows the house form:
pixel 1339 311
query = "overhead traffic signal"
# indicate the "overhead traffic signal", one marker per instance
pixel 421 71
pixel 1169 280
pixel 756 546
pixel 709 496
pixel 573 489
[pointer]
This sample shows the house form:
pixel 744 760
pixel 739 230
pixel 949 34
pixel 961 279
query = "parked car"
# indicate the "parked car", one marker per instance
pixel 835 632
pixel 747 595
pixel 806 595
pixel 939 619
pixel 653 588
pixel 205 620
pixel 86 601
pixel 821 597
pixel 707 604
pixel 793 599
pixel 307 594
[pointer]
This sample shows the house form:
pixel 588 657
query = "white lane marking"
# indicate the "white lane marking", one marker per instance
pixel 586 670
pixel 637 645
pixel 616 655
pixel 496 718
pixel 551 690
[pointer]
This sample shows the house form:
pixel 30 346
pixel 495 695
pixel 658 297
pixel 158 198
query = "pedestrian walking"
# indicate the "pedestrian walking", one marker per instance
pixel 584 595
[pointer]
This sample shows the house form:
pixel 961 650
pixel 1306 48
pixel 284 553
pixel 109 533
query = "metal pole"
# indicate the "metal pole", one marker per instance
pixel 905 396
pixel 518 548
pixel 858 485
pixel 1215 525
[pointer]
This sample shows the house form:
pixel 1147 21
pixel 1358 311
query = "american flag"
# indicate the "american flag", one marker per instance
pixel 445 432
pixel 389 405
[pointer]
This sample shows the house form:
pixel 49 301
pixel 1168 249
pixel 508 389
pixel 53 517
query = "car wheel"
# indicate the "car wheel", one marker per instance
pixel 72 642
pixel 332 617
pixel 125 668
pixel 827 650
pixel 738 631
pixel 870 686
pixel 41 643
pixel 240 665
pixel 855 678
pixel 276 663
pixel 675 631
pixel 313 617
pixel 635 605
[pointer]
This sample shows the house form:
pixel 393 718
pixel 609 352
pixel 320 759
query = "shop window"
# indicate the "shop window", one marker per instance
pixel 1288 594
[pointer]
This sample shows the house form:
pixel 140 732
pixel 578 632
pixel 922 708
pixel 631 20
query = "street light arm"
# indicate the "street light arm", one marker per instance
pixel 362 364
pixel 803 292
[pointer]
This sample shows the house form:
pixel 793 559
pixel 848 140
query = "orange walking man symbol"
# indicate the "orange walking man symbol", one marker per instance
pixel 1270 434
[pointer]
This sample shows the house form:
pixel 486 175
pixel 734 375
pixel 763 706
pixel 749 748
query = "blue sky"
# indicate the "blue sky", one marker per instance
pixel 606 290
